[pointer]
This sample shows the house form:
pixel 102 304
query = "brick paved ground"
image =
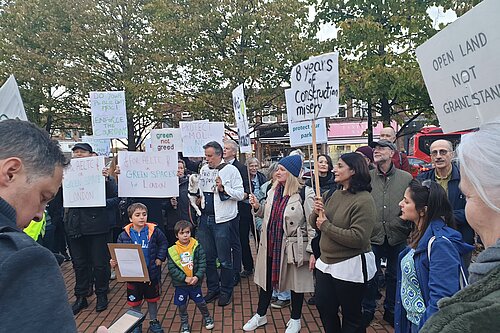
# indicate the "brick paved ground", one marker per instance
pixel 228 319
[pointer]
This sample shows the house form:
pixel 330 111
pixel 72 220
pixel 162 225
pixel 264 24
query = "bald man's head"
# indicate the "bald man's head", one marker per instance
pixel 442 154
pixel 388 133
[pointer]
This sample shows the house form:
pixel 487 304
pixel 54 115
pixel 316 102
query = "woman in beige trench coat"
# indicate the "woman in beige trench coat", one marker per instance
pixel 285 244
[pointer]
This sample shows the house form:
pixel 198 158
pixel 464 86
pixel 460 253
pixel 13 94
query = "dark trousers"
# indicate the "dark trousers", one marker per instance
pixel 391 253
pixel 236 247
pixel 265 296
pixel 90 261
pixel 216 241
pixel 330 294
pixel 246 224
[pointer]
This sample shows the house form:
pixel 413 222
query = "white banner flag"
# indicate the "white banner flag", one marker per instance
pixel 240 116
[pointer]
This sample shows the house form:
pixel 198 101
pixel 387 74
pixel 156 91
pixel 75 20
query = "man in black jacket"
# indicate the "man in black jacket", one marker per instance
pixel 88 232
pixel 240 232
pixel 33 296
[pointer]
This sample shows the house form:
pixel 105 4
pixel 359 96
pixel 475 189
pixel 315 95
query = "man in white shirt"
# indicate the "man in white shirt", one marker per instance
pixel 222 187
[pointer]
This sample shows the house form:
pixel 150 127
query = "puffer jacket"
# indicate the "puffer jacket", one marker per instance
pixel 175 269
pixel 158 246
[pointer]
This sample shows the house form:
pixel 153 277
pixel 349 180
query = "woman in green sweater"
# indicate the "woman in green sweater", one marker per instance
pixel 346 263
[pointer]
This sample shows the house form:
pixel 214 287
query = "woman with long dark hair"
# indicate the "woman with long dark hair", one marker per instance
pixel 431 266
pixel 346 263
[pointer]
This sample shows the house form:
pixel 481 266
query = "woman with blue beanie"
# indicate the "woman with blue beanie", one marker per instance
pixel 285 243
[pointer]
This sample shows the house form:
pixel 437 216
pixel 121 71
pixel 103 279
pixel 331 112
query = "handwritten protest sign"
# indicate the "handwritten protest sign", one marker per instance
pixel 240 116
pixel 166 139
pixel 460 67
pixel 195 134
pixel 151 175
pixel 301 133
pixel 101 146
pixel 109 118
pixel 207 179
pixel 315 86
pixel 83 183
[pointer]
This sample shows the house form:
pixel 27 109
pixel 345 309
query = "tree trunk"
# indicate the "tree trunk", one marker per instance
pixel 386 111
pixel 370 123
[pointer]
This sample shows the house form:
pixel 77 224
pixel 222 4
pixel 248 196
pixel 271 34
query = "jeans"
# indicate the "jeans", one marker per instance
pixel 216 241
pixel 236 247
pixel 282 295
pixel 391 253
pixel 90 256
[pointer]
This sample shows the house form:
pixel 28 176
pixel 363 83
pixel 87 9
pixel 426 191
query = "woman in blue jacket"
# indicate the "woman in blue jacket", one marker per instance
pixel 430 268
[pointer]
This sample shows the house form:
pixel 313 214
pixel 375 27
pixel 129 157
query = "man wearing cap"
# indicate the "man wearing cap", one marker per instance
pixel 390 231
pixel 399 159
pixel 87 229
pixel 367 153
pixel 222 188
pixel 447 174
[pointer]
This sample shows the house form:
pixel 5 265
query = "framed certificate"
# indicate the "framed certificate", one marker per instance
pixel 131 264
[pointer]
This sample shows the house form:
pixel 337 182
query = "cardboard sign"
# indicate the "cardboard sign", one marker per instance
pixel 166 139
pixel 240 116
pixel 109 116
pixel 101 146
pixel 301 133
pixel 83 183
pixel 11 104
pixel 315 87
pixel 148 175
pixel 207 179
pixel 461 69
pixel 195 134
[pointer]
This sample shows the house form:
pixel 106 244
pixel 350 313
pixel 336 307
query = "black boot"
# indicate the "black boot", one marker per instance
pixel 102 303
pixel 79 305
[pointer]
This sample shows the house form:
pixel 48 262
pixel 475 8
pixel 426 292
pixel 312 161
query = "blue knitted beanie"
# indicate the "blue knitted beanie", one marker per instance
pixel 292 163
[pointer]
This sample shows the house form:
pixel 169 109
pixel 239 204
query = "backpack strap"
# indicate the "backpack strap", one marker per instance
pixel 221 166
pixel 463 278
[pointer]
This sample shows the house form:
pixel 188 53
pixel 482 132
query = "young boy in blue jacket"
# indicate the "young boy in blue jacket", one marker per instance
pixel 187 265
pixel 154 246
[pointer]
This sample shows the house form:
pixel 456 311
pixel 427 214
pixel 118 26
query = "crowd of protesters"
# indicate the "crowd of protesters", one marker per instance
pixel 329 245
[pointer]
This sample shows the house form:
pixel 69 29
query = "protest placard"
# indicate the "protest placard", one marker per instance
pixel 461 69
pixel 11 104
pixel 166 139
pixel 150 175
pixel 315 86
pixel 83 183
pixel 109 116
pixel 100 146
pixel 300 133
pixel 195 134
pixel 240 116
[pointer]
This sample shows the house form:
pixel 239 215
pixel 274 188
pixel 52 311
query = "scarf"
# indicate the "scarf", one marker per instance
pixel 485 262
pixel 275 232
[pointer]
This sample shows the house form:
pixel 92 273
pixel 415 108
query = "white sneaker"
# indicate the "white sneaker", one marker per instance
pixel 255 322
pixel 293 326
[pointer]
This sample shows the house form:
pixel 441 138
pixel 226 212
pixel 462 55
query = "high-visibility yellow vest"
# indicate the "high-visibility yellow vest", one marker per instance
pixel 36 229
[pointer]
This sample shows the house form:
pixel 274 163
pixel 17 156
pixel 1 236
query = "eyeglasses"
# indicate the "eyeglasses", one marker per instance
pixel 440 152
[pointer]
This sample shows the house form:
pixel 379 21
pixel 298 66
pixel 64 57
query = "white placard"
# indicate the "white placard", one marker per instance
pixel 109 115
pixel 240 116
pixel 101 146
pixel 148 175
pixel 129 263
pixel 207 179
pixel 301 133
pixel 166 139
pixel 461 69
pixel 195 134
pixel 148 148
pixel 315 86
pixel 83 183
pixel 11 104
